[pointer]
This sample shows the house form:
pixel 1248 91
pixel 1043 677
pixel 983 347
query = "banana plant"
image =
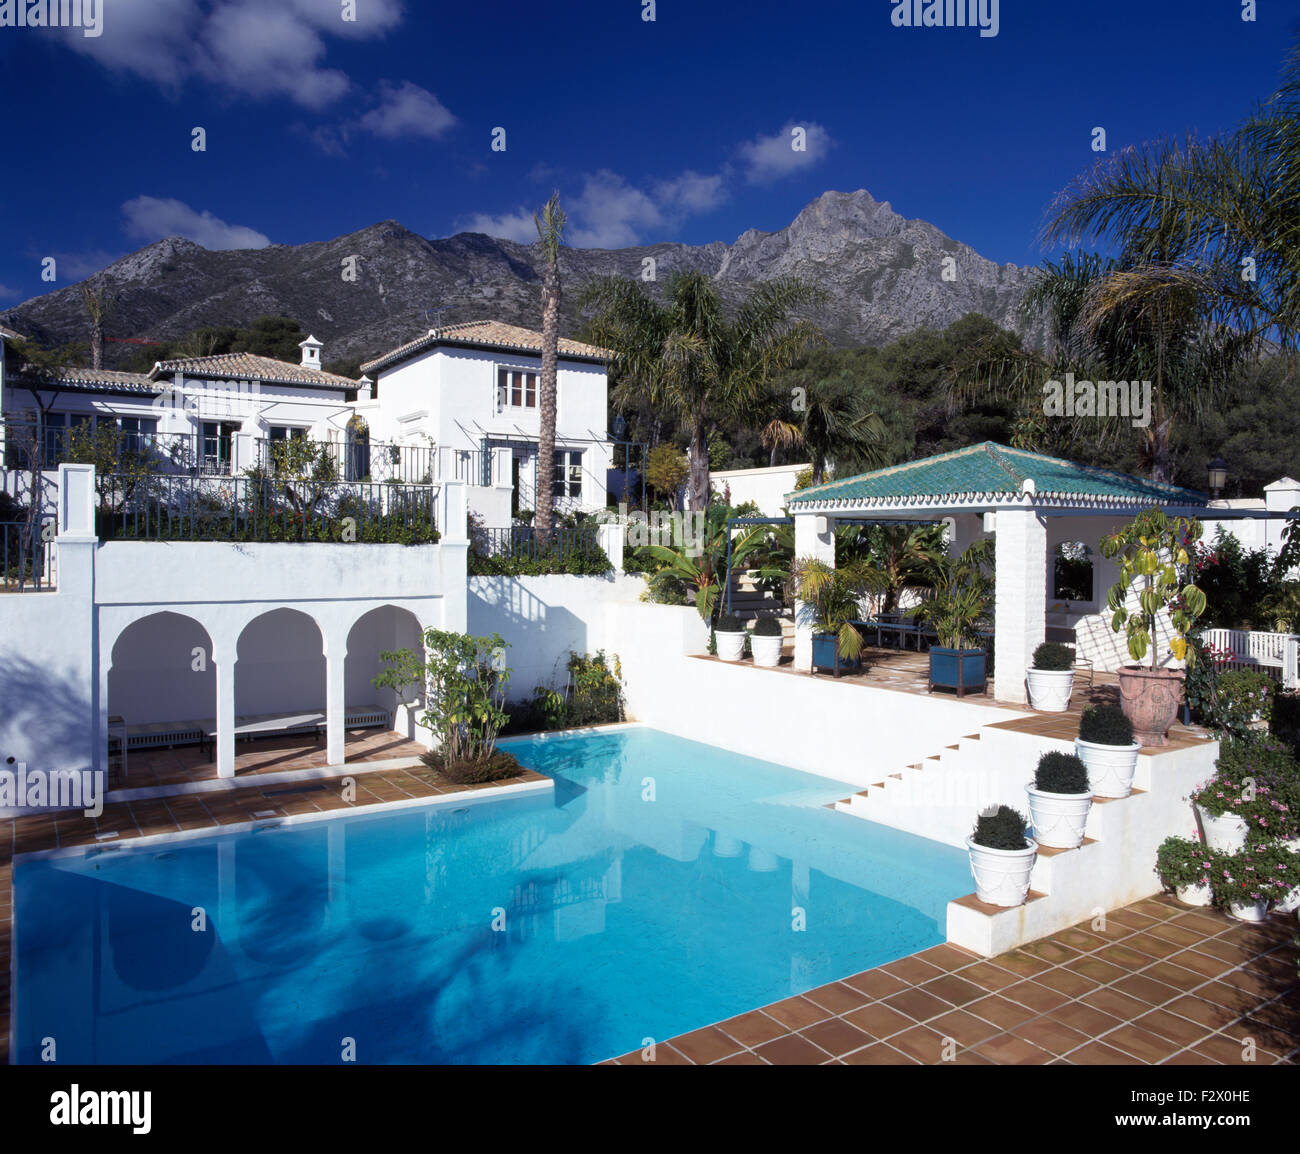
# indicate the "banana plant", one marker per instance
pixel 1154 551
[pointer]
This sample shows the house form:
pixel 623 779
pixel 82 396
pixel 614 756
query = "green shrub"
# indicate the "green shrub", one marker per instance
pixel 1258 779
pixel 1059 772
pixel 576 562
pixel 767 627
pixel 1261 871
pixel 1053 657
pixel 595 689
pixel 1105 725
pixel 1242 694
pixel 664 587
pixel 1000 828
pixel 1181 862
pixel 729 623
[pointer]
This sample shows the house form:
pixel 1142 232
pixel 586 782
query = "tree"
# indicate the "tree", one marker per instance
pixel 665 470
pixel 689 357
pixel 550 229
pixel 98 307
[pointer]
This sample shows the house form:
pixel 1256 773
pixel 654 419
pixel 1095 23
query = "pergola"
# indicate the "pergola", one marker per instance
pixel 1030 502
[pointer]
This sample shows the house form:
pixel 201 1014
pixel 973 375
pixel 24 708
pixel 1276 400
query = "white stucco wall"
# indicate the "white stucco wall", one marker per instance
pixel 767 488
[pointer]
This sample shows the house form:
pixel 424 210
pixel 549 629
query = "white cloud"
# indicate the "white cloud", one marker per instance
pixel 768 158
pixel 611 213
pixel 6 291
pixel 507 226
pixel 407 110
pixel 691 192
pixel 248 47
pixel 79 265
pixel 149 218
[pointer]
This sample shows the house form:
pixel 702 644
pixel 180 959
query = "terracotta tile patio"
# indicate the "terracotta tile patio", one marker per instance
pixel 188 763
pixel 1227 994
pixel 905 671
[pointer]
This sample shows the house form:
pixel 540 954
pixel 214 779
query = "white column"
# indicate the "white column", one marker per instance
pixel 1021 601
pixel 1279 497
pixel 814 536
pixel 611 540
pixel 336 652
pixel 223 658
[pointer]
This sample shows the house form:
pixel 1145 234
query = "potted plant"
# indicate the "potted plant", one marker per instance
pixel 831 597
pixel 1051 677
pixel 1243 881
pixel 1152 551
pixel 957 608
pixel 1001 856
pixel 1245 699
pixel 1106 746
pixel 1255 789
pixel 1059 800
pixel 1184 866
pixel 765 641
pixel 731 633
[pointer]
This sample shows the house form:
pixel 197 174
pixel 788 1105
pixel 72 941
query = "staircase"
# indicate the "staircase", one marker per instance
pixel 940 796
pixel 749 602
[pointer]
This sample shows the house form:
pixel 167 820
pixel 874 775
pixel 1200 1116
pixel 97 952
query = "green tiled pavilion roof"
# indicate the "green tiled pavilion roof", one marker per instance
pixel 994 470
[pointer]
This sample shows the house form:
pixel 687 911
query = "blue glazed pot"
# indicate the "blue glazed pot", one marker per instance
pixel 823 656
pixel 960 669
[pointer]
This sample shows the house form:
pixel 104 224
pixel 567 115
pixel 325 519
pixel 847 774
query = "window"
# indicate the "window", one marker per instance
pixel 218 443
pixel 568 473
pixel 516 388
pixel 138 433
pixel 285 432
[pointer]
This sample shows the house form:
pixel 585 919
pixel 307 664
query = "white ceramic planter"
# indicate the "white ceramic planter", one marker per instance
pixel 766 650
pixel 1291 902
pixel 1110 767
pixel 1248 911
pixel 1059 819
pixel 1225 832
pixel 1002 875
pixel 1199 894
pixel 731 646
pixel 1049 689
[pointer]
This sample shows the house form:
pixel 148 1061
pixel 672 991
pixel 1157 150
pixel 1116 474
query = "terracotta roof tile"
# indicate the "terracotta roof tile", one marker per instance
pixel 78 377
pixel 494 334
pixel 248 367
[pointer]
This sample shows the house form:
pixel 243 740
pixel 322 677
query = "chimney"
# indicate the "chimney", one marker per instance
pixel 311 348
pixel 365 388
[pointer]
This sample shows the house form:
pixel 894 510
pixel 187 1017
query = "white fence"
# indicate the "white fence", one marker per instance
pixel 1274 653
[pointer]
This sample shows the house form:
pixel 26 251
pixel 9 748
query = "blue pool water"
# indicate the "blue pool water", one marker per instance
pixel 664 886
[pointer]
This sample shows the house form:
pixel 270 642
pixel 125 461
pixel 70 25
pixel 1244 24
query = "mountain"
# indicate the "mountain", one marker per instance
pixel 884 276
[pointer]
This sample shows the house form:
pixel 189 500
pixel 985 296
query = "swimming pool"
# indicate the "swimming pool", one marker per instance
pixel 664 885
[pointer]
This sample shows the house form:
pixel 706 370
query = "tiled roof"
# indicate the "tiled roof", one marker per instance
pixel 247 367
pixel 991 469
pixel 10 335
pixel 492 334
pixel 101 380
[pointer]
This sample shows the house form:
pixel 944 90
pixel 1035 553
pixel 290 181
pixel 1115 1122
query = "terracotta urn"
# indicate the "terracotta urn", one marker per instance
pixel 1150 699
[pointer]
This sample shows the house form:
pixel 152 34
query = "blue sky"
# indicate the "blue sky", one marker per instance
pixel 671 129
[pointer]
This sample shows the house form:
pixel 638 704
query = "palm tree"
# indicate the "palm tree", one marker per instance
pixel 834 594
pixel 550 230
pixel 692 359
pixel 1208 233
pixel 905 554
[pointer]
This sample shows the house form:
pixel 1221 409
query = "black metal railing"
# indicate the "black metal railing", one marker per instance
pixel 523 542
pixel 126 451
pixel 352 461
pixel 27 555
pixel 177 508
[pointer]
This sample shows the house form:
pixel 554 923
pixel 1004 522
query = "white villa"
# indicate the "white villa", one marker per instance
pixel 458 404
pixel 472 389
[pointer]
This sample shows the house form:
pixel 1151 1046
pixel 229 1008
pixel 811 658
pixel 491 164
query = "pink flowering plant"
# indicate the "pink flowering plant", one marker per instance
pixel 1182 862
pixel 1258 780
pixel 1264 871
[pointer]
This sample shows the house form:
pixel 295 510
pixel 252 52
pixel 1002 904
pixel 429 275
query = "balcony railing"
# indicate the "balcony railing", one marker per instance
pixel 349 461
pixel 172 508
pixel 522 542
pixel 27 555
